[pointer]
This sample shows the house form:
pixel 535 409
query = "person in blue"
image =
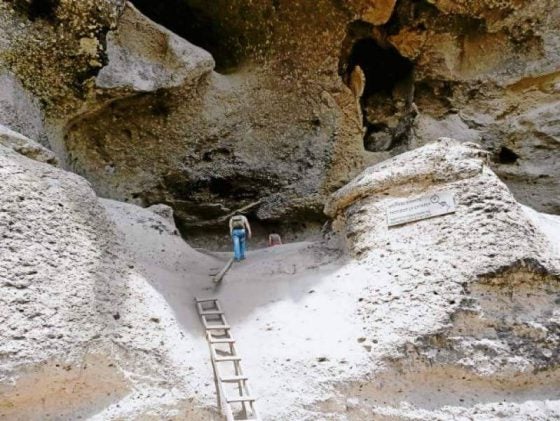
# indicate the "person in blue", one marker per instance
pixel 239 230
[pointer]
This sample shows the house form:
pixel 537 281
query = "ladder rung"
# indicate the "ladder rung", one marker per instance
pixel 222 341
pixel 241 399
pixel 205 300
pixel 217 327
pixel 211 313
pixel 234 379
pixel 230 358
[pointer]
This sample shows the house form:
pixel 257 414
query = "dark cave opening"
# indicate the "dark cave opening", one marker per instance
pixel 506 156
pixel 38 9
pixel 383 67
pixel 386 86
pixel 217 237
pixel 194 25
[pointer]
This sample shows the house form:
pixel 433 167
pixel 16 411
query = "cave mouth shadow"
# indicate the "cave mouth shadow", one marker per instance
pixel 383 67
pixel 196 26
pixel 215 238
pixel 37 9
pixel 382 80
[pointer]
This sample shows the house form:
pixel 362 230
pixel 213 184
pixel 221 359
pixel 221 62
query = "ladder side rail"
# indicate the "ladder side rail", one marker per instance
pixel 240 389
pixel 216 380
pixel 227 411
pixel 255 414
pixel 245 390
pixel 223 405
pixel 243 386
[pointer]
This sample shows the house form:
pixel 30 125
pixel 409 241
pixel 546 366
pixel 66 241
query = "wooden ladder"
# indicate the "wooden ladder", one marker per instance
pixel 231 384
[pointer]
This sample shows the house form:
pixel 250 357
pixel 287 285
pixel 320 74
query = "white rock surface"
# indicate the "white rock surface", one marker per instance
pixel 163 210
pixel 471 306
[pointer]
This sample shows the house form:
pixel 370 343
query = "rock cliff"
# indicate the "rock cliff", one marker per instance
pixel 271 116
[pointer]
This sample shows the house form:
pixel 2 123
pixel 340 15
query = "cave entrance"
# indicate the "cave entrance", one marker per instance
pixel 383 67
pixel 384 88
pixel 196 26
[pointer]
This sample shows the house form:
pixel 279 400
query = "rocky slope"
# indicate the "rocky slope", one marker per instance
pixel 481 285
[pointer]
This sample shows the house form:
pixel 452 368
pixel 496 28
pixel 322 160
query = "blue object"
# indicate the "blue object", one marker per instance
pixel 238 236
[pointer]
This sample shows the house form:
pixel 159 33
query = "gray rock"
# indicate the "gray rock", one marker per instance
pixel 145 57
pixel 26 146
pixel 19 109
pixel 164 211
pixel 73 311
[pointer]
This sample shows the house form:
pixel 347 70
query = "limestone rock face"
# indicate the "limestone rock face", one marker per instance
pixel 142 115
pixel 464 60
pixel 208 145
pixel 487 275
pixel 80 328
pixel 55 47
pixel 449 317
pixel 194 109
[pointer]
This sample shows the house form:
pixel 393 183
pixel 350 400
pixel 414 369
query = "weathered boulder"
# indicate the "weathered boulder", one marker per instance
pixel 471 301
pixel 145 57
pixel 26 146
pixel 82 331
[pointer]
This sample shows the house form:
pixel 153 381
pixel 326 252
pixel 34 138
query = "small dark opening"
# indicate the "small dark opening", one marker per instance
pixel 43 9
pixel 194 25
pixel 38 9
pixel 383 67
pixel 507 156
pixel 160 108
pixel 387 91
pixel 230 188
pixel 220 187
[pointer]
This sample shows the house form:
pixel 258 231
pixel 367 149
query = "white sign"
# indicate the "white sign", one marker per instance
pixel 424 207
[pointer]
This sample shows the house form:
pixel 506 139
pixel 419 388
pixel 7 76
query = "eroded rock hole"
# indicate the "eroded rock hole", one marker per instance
pixel 382 80
pixel 196 26
pixel 383 67
pixel 37 9
pixel 507 156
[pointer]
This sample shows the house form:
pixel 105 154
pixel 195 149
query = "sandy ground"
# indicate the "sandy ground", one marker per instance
pixel 292 309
